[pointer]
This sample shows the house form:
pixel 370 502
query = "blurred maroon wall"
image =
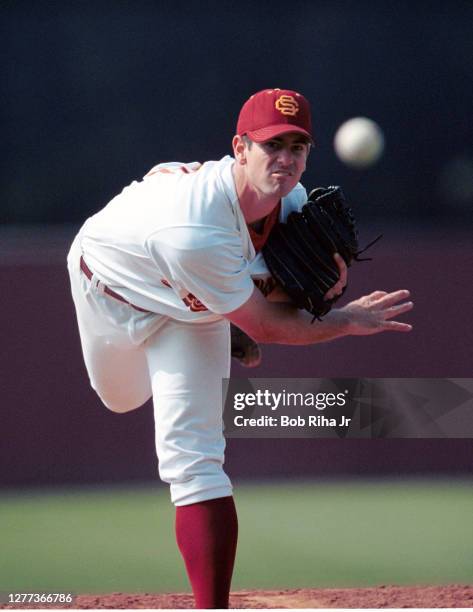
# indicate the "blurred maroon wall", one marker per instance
pixel 54 429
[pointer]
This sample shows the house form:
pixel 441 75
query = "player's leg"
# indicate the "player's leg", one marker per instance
pixel 187 363
pixel 206 534
pixel 115 360
pixel 117 371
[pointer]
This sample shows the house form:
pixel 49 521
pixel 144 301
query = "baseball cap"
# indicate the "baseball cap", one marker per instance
pixel 272 112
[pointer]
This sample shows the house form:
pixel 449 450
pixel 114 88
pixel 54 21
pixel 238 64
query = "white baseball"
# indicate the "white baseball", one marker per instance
pixel 359 142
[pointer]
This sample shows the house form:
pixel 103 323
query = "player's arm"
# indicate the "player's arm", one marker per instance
pixel 277 323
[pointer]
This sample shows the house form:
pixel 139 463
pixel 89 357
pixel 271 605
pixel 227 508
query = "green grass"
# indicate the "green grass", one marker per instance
pixel 291 535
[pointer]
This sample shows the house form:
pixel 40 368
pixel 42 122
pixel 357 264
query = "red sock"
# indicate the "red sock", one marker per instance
pixel 207 534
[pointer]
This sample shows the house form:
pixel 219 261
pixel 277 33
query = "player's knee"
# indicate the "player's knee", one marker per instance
pixel 120 408
pixel 120 404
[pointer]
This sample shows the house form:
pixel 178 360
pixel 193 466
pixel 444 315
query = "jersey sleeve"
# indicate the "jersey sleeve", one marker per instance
pixel 206 262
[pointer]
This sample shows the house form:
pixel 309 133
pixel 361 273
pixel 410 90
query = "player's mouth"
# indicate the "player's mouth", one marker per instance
pixel 281 173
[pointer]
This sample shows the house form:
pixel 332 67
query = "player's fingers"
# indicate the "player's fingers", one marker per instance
pixel 331 293
pixel 342 270
pixel 377 294
pixel 393 298
pixel 397 326
pixel 399 309
pixel 337 289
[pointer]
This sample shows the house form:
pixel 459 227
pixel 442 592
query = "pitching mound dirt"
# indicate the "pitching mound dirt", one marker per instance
pixel 451 596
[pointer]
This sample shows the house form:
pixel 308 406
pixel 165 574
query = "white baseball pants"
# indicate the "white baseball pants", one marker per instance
pixel 131 356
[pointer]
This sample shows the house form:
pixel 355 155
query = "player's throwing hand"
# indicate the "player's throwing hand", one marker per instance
pixel 373 313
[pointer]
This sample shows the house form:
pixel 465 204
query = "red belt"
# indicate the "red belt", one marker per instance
pixel 88 272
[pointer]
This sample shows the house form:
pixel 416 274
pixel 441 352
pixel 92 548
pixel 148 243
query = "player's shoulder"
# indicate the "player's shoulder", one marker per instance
pixel 202 185
pixel 216 176
pixel 173 168
pixel 193 169
pixel 202 205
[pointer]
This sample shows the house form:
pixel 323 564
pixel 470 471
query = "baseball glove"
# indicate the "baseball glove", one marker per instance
pixel 299 253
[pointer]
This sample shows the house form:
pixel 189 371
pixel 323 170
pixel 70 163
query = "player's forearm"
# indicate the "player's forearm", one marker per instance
pixel 288 325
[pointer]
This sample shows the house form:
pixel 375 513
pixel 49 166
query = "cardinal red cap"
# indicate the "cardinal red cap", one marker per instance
pixel 272 112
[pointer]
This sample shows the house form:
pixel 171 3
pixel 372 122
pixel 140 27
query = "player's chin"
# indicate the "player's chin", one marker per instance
pixel 282 185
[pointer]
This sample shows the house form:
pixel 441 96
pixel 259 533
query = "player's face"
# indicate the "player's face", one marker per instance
pixel 274 167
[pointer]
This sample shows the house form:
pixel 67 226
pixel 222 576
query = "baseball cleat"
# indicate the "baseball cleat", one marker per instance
pixel 244 349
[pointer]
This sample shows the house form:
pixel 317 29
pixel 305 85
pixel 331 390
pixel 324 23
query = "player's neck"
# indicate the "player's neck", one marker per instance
pixel 254 204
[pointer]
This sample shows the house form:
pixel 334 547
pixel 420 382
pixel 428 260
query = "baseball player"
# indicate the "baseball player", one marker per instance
pixel 160 273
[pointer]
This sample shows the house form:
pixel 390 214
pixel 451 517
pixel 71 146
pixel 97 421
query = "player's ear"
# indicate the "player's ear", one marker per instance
pixel 239 149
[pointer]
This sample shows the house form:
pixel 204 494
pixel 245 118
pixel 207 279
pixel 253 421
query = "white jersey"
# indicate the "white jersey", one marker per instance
pixel 176 243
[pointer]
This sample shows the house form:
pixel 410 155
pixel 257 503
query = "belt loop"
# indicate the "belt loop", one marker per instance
pixel 102 288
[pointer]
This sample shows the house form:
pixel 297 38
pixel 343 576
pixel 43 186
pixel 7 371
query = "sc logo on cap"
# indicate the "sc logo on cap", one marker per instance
pixel 287 105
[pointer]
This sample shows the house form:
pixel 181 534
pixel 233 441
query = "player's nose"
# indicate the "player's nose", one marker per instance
pixel 285 156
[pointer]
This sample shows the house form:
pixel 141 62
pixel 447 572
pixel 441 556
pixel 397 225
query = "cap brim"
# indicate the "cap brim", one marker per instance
pixel 277 130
